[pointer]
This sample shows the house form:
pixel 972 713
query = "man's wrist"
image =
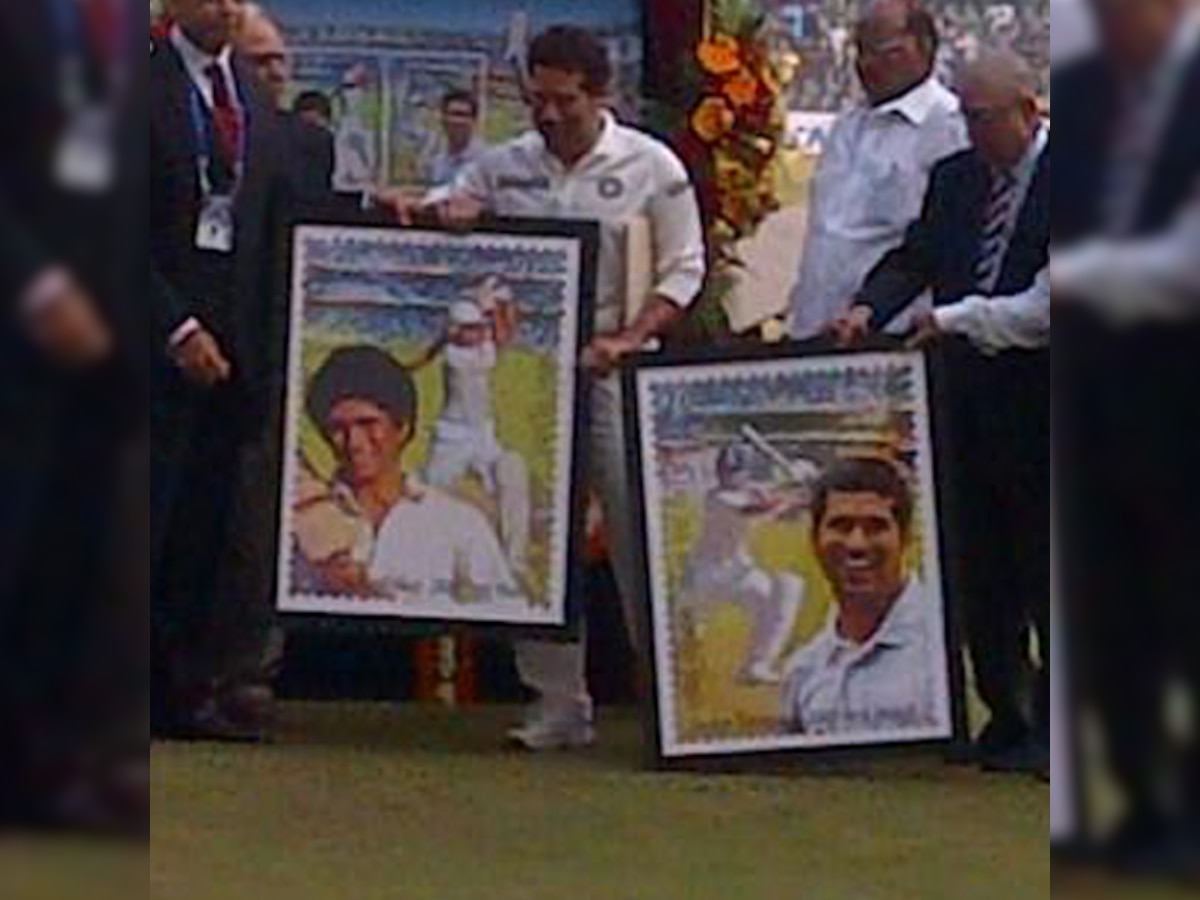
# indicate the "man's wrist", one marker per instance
pixel 954 318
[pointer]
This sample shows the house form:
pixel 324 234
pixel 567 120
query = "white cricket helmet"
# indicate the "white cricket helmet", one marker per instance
pixel 465 314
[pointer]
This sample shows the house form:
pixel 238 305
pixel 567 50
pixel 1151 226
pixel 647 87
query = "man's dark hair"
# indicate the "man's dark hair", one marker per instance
pixel 462 98
pixel 864 476
pixel 575 50
pixel 362 373
pixel 315 102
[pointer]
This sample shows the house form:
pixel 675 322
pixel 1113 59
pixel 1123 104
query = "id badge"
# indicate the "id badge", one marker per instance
pixel 86 161
pixel 215 231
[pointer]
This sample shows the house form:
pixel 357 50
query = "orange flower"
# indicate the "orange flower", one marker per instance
pixel 720 56
pixel 742 89
pixel 713 119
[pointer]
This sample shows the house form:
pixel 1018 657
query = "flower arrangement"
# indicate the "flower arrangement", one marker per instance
pixel 736 130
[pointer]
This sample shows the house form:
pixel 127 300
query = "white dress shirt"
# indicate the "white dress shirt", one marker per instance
pixel 627 175
pixel 1072 31
pixel 198 62
pixel 869 187
pixel 895 682
pixel 1019 321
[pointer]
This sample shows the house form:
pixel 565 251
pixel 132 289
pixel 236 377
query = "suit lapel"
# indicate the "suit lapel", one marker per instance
pixel 170 100
pixel 257 128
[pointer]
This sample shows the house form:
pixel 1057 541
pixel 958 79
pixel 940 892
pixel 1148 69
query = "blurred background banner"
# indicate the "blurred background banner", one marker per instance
pixel 387 67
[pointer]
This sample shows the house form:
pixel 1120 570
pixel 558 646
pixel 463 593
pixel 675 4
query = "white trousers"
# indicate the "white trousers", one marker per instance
pixel 458 451
pixel 557 673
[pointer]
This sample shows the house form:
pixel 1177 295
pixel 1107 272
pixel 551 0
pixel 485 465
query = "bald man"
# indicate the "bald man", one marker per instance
pixel 982 248
pixel 260 41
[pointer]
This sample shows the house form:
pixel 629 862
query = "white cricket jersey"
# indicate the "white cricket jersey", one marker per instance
pixel 468 376
pixel 628 175
pixel 727 520
pixel 433 547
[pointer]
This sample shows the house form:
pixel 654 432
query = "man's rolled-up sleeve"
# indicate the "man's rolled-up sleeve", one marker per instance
pixel 677 230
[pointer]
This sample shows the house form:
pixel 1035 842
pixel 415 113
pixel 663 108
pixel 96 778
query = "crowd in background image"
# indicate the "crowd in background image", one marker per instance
pixel 821 33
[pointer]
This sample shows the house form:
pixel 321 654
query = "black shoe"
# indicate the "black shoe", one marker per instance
pixel 96 802
pixel 1029 757
pixel 232 714
pixel 1152 849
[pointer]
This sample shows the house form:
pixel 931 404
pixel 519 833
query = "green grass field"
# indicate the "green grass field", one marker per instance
pixel 367 802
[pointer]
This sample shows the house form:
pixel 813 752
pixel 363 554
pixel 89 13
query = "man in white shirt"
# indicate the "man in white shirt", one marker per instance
pixel 879 669
pixel 581 163
pixel 874 173
pixel 459 143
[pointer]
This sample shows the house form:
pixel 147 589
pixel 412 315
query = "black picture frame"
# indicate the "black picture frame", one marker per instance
pixel 956 740
pixel 586 237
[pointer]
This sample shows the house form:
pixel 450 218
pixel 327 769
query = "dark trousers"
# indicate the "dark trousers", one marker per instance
pixel 68 612
pixel 996 450
pixel 1131 527
pixel 204 630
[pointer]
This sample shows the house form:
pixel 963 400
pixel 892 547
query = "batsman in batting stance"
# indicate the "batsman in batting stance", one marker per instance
pixel 465 441
pixel 722 569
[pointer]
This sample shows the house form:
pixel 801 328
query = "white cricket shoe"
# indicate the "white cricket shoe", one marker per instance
pixel 759 674
pixel 553 734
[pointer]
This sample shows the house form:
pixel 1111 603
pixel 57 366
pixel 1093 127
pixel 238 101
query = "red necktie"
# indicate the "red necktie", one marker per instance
pixel 104 24
pixel 227 123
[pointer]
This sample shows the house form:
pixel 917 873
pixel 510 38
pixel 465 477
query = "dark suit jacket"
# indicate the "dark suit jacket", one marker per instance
pixel 997 407
pixel 943 246
pixel 100 239
pixel 1085 120
pixel 311 158
pixel 1125 392
pixel 234 296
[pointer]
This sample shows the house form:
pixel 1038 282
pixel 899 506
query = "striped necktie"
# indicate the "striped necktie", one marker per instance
pixel 995 242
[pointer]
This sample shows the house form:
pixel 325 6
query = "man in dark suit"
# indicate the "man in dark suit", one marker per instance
pixel 310 145
pixel 72 381
pixel 217 194
pixel 981 247
pixel 1126 279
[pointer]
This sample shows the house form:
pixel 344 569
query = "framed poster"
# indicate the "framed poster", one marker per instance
pixel 433 420
pixel 793 575
pixel 391 70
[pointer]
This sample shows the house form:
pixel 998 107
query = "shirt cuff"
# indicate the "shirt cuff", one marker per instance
pixel 47 289
pixel 955 318
pixel 683 289
pixel 184 333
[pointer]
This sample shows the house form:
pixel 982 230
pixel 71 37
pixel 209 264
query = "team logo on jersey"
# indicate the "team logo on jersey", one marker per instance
pixel 611 188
